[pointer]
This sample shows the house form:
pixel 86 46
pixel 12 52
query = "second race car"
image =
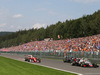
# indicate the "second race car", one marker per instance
pixel 83 62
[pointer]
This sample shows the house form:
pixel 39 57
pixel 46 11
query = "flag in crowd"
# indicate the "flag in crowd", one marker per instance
pixel 67 40
pixel 58 36
pixel 98 46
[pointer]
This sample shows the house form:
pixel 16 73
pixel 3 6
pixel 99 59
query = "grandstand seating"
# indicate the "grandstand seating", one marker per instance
pixel 90 43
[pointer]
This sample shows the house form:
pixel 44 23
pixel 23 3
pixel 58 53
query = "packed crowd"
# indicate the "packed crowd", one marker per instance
pixel 91 43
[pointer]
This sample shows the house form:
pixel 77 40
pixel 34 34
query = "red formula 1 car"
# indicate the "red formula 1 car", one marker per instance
pixel 30 58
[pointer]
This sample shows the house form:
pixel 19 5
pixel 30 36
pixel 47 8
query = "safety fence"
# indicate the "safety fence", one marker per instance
pixel 79 54
pixel 93 56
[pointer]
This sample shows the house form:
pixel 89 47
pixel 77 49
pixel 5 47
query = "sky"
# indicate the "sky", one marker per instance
pixel 18 15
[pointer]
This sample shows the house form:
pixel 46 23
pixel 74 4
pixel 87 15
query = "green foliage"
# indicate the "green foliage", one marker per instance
pixel 5 33
pixel 81 27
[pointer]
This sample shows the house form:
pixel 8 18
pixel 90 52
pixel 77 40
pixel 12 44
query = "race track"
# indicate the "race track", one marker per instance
pixel 60 65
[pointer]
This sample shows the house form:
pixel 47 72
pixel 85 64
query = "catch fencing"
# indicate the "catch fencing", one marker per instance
pixel 60 53
pixel 93 56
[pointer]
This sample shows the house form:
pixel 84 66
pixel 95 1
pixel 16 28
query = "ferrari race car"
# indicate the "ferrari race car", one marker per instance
pixel 30 58
pixel 83 62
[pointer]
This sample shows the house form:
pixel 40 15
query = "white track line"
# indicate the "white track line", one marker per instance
pixel 57 69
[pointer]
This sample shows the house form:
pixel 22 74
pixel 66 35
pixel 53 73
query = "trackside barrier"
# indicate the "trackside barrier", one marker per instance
pixel 92 56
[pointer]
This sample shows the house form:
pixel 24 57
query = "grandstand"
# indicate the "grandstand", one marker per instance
pixel 85 44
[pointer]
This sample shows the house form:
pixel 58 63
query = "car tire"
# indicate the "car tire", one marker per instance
pixel 73 63
pixel 39 60
pixel 64 60
pixel 82 64
pixel 29 60
pixel 32 60
pixel 95 65
pixel 25 58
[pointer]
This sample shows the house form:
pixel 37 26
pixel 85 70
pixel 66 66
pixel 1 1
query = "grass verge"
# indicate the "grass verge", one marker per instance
pixel 14 67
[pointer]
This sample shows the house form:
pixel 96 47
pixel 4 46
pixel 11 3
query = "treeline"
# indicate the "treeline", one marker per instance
pixel 81 27
pixel 5 33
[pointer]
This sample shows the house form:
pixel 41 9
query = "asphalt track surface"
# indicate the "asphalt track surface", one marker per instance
pixel 60 65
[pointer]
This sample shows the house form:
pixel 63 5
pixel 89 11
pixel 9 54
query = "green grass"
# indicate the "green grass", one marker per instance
pixel 14 67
